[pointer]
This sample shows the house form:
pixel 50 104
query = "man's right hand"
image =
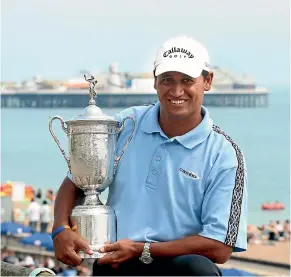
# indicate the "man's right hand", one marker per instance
pixel 66 245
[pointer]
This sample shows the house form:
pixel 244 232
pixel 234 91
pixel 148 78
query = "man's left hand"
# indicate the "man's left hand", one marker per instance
pixel 119 252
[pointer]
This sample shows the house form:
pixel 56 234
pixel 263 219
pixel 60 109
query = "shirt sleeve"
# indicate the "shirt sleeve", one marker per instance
pixel 224 209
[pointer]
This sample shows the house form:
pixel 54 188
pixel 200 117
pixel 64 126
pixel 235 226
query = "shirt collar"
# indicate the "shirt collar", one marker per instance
pixel 150 124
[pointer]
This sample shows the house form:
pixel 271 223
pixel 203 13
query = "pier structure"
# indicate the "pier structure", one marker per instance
pixel 123 100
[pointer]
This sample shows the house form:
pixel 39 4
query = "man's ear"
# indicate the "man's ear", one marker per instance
pixel 208 81
pixel 155 81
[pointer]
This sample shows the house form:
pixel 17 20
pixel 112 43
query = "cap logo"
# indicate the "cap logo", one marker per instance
pixel 172 53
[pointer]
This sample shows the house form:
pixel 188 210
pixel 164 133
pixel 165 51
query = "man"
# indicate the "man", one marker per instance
pixel 179 193
pixel 33 213
pixel 45 216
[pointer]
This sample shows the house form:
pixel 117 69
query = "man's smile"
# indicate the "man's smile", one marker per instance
pixel 177 102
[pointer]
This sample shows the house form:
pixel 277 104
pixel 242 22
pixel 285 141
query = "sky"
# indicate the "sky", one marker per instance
pixel 58 38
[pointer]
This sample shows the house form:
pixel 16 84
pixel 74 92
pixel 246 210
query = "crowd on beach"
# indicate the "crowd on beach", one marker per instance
pixel 269 234
pixel 31 262
pixel 39 216
pixel 39 211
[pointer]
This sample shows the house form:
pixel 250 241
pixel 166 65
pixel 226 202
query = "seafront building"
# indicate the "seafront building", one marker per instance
pixel 122 89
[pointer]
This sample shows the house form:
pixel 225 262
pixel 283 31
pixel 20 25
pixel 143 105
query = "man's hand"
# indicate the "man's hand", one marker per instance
pixel 120 252
pixel 66 244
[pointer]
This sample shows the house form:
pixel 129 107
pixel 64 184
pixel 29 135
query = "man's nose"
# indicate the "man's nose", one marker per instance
pixel 177 90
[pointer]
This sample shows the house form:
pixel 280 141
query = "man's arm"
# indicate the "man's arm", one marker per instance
pixel 212 249
pixel 65 202
pixel 123 250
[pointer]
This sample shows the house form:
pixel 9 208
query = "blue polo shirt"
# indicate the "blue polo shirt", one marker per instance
pixel 168 188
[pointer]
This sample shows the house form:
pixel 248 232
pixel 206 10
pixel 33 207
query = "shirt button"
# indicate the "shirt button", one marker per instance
pixel 154 172
pixel 163 145
pixel 158 158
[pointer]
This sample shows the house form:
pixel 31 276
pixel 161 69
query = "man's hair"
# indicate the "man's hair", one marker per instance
pixel 204 74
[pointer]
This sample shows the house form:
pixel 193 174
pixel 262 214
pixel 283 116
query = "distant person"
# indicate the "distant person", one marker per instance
pixel 180 191
pixel 287 229
pixel 82 271
pixel 45 216
pixel 28 262
pixel 280 230
pixel 273 232
pixel 49 263
pixel 50 197
pixel 8 256
pixel 58 269
pixel 33 213
pixel 69 271
pixel 38 196
pixel 128 81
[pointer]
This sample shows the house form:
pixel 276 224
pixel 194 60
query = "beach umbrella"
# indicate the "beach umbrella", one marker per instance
pixel 14 228
pixel 39 239
pixel 50 248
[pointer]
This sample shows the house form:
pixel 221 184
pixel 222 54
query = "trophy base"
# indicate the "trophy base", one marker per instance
pixel 96 224
pixel 95 255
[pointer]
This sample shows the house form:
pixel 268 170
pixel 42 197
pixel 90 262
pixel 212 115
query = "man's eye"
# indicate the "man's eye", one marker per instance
pixel 166 80
pixel 187 81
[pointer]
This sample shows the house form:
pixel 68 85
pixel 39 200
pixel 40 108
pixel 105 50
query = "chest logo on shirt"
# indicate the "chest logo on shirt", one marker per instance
pixel 189 174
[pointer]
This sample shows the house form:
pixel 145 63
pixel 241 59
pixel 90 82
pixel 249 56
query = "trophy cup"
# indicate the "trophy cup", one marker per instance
pixel 92 162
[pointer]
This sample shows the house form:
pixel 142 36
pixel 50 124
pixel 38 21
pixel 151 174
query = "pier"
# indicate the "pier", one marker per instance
pixel 123 100
pixel 239 100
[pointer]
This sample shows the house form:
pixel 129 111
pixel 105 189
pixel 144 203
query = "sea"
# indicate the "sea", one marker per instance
pixel 29 153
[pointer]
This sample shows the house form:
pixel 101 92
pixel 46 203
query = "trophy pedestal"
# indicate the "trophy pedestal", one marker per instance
pixel 97 225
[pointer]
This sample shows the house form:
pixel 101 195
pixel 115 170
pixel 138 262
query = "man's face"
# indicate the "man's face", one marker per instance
pixel 180 95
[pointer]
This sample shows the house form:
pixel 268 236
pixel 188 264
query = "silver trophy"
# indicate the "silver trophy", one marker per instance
pixel 92 163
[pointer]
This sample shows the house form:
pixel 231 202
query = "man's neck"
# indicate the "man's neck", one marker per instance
pixel 173 127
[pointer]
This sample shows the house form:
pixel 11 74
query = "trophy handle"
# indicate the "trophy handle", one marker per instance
pixel 56 139
pixel 117 158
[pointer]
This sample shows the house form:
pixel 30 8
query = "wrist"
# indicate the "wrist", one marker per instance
pixel 59 224
pixel 59 230
pixel 146 257
pixel 138 246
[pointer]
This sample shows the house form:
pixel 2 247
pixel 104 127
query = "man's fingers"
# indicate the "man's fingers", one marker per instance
pixel 110 247
pixel 115 265
pixel 73 259
pixel 82 245
pixel 69 257
pixel 107 259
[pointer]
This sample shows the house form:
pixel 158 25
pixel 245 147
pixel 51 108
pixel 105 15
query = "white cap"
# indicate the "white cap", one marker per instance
pixel 28 261
pixel 182 54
